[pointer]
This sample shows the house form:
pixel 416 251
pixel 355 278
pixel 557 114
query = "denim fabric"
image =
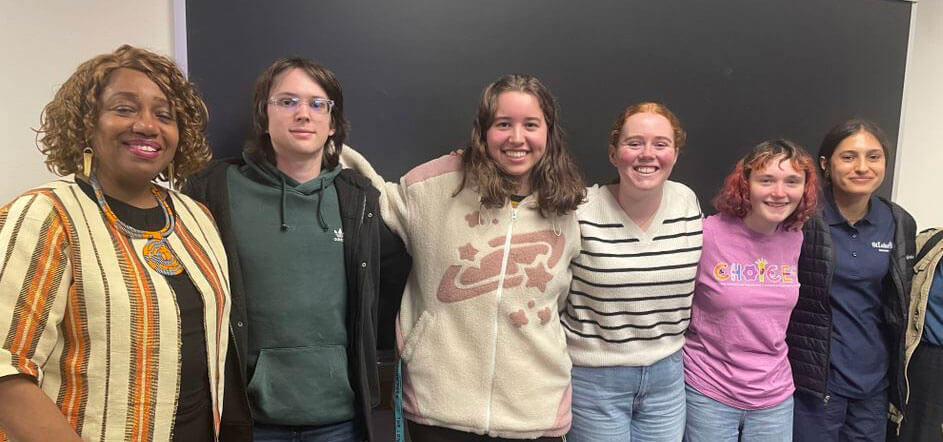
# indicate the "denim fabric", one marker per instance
pixel 346 431
pixel 629 403
pixel 427 433
pixel 841 419
pixel 712 421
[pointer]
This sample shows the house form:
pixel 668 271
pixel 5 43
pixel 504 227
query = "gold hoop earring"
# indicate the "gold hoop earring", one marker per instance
pixel 170 176
pixel 87 154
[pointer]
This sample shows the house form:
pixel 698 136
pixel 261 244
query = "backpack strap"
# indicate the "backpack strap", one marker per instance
pixel 927 246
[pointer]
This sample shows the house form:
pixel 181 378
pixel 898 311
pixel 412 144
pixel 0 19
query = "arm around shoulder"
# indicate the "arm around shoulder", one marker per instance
pixel 393 202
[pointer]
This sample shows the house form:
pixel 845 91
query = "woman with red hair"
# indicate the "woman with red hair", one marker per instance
pixel 739 381
pixel 630 299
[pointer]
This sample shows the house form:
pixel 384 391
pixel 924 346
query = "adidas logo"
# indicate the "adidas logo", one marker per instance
pixel 339 234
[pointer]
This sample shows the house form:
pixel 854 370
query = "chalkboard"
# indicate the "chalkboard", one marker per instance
pixel 735 71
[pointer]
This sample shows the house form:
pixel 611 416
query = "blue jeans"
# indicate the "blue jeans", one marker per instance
pixel 841 419
pixel 341 432
pixel 712 421
pixel 629 403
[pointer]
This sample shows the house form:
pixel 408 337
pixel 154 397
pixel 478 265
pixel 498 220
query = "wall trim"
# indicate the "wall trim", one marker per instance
pixel 179 11
pixel 901 135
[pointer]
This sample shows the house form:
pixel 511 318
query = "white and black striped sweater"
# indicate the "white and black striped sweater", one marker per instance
pixel 630 299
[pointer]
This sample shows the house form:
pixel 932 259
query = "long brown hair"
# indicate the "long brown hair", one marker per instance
pixel 555 178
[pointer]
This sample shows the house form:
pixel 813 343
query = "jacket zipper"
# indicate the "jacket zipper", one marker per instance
pixel 357 301
pixel 356 326
pixel 828 302
pixel 931 265
pixel 363 211
pixel 497 312
pixel 897 276
pixel 903 395
pixel 234 346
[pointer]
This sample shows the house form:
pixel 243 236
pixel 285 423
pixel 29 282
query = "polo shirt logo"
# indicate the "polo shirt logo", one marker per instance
pixel 883 246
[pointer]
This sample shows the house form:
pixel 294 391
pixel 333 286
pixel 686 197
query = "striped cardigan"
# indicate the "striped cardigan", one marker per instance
pixel 82 312
pixel 630 300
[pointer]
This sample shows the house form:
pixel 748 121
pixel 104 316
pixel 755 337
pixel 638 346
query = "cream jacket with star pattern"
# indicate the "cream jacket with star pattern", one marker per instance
pixel 478 328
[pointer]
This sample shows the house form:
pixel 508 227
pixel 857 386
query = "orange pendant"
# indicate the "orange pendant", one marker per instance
pixel 161 258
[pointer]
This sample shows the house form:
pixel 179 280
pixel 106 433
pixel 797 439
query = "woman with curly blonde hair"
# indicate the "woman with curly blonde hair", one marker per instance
pixel 113 290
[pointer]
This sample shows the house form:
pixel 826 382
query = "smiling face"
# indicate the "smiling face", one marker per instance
pixel 297 134
pixel 775 192
pixel 517 138
pixel 136 135
pixel 857 165
pixel 645 153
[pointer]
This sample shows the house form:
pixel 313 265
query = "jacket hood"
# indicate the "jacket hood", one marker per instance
pixel 263 171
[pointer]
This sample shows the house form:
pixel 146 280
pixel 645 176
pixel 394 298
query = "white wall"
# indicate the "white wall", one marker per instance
pixel 919 178
pixel 41 44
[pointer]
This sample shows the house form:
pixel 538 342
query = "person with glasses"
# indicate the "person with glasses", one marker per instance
pixel 303 237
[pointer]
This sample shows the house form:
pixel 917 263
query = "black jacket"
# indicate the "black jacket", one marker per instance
pixel 359 208
pixel 809 335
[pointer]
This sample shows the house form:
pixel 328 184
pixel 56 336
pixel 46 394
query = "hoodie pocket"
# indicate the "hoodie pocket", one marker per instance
pixel 302 386
pixel 415 336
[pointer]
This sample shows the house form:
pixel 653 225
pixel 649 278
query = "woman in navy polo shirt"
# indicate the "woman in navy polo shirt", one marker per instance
pixel 846 333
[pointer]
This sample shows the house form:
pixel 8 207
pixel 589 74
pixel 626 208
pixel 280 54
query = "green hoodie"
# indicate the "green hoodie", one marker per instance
pixel 291 252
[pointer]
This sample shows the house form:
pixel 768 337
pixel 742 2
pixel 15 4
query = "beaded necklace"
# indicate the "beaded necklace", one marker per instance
pixel 157 252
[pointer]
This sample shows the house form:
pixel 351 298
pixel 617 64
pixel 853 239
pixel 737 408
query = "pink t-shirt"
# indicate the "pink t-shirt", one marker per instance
pixel 745 291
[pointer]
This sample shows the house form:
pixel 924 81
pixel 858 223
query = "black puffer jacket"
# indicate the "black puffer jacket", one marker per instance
pixel 809 334
pixel 359 208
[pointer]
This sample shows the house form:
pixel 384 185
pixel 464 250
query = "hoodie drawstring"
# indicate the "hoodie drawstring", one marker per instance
pixel 321 221
pixel 281 212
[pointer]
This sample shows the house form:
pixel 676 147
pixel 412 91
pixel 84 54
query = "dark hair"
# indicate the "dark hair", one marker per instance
pixel 680 136
pixel 261 143
pixel 734 197
pixel 69 120
pixel 845 129
pixel 555 178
